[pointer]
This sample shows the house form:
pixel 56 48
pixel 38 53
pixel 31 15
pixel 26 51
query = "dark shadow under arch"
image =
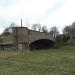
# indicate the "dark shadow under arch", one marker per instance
pixel 41 44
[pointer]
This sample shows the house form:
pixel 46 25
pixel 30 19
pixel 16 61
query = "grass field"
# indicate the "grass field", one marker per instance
pixel 45 62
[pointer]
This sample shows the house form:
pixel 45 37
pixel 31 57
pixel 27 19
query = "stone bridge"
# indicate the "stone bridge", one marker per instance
pixel 23 38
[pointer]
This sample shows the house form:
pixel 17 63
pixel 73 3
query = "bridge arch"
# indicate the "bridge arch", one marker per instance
pixel 41 44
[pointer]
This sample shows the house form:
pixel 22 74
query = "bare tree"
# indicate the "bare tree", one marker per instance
pixel 44 29
pixel 67 30
pixel 12 24
pixel 36 27
pixel 73 29
pixel 1 39
pixel 8 30
pixel 54 31
pixel 39 27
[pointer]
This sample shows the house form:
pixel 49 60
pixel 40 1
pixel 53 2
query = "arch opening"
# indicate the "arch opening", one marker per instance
pixel 41 44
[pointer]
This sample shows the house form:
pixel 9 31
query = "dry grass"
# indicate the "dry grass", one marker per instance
pixel 46 62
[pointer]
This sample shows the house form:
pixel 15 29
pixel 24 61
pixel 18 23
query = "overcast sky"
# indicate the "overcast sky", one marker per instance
pixel 46 12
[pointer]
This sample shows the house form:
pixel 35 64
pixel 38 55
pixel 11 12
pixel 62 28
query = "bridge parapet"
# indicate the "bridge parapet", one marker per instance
pixel 34 35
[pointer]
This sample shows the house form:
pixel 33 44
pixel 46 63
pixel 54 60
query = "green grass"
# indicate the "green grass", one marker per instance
pixel 45 62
